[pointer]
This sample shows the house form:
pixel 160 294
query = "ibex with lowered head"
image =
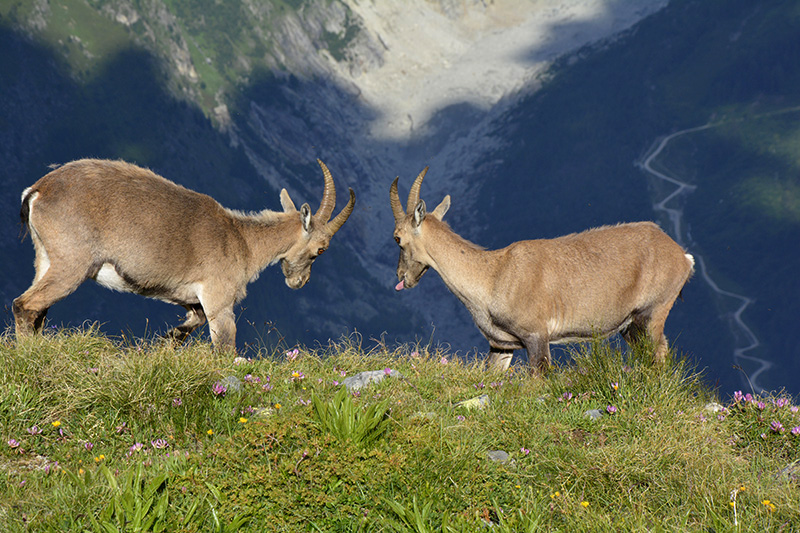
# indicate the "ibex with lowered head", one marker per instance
pixel 134 231
pixel 622 278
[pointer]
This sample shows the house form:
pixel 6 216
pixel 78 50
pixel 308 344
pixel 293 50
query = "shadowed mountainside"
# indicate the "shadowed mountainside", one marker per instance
pixel 536 164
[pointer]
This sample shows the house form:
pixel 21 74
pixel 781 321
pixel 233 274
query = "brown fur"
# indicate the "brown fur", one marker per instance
pixel 622 278
pixel 163 241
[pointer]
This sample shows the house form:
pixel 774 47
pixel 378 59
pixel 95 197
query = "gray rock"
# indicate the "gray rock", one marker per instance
pixel 594 414
pixel 363 379
pixel 498 456
pixel 478 402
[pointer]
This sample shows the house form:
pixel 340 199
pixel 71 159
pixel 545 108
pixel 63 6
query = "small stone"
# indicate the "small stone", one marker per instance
pixel 360 380
pixel 478 402
pixel 498 456
pixel 594 414
pixel 713 407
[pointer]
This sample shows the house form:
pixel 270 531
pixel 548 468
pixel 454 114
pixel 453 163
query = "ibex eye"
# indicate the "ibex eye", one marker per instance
pixel 319 252
pixel 397 239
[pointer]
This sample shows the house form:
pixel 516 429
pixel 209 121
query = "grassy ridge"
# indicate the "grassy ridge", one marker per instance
pixel 108 436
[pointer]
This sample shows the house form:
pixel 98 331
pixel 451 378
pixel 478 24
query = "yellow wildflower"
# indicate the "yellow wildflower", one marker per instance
pixel 210 431
pixel 242 420
pixel 585 504
pixel 56 423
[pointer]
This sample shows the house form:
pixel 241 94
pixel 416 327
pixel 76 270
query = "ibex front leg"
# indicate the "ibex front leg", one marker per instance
pixel 499 358
pixel 222 324
pixel 538 347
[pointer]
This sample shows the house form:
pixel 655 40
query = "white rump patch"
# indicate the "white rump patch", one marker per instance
pixel 108 277
pixel 42 261
pixel 25 193
pixel 690 257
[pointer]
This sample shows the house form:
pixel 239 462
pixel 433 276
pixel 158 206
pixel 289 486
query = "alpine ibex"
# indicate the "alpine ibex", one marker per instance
pixel 610 279
pixel 134 231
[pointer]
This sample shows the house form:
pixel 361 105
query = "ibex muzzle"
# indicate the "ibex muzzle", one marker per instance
pixel 134 231
pixel 622 278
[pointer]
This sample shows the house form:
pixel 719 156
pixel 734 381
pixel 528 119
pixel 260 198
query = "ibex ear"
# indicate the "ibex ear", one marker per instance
pixel 419 213
pixel 286 202
pixel 442 208
pixel 305 217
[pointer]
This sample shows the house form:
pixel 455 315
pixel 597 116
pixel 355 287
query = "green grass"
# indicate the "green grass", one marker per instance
pixel 83 36
pixel 105 435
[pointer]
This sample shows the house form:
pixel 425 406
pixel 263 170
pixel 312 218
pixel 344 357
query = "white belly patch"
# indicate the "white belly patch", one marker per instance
pixel 108 277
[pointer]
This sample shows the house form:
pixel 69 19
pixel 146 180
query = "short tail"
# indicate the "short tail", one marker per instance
pixel 25 210
pixel 690 257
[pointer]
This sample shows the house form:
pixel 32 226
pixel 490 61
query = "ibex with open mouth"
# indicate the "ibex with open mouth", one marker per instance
pixel 134 231
pixel 622 278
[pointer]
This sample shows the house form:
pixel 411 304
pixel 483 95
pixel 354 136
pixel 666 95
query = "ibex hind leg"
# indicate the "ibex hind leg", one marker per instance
pixel 27 321
pixel 195 317
pixel 655 331
pixel 31 307
pixel 634 333
pixel 649 329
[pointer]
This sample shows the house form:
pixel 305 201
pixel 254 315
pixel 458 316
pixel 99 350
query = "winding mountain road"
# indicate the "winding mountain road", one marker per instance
pixel 744 337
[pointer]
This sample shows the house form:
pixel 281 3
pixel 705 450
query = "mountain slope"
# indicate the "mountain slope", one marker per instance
pixel 238 99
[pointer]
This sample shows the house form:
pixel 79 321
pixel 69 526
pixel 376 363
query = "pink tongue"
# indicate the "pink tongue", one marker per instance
pixel 399 287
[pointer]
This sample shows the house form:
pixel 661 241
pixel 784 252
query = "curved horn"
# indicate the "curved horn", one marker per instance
pixel 334 225
pixel 413 195
pixel 394 198
pixel 328 195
